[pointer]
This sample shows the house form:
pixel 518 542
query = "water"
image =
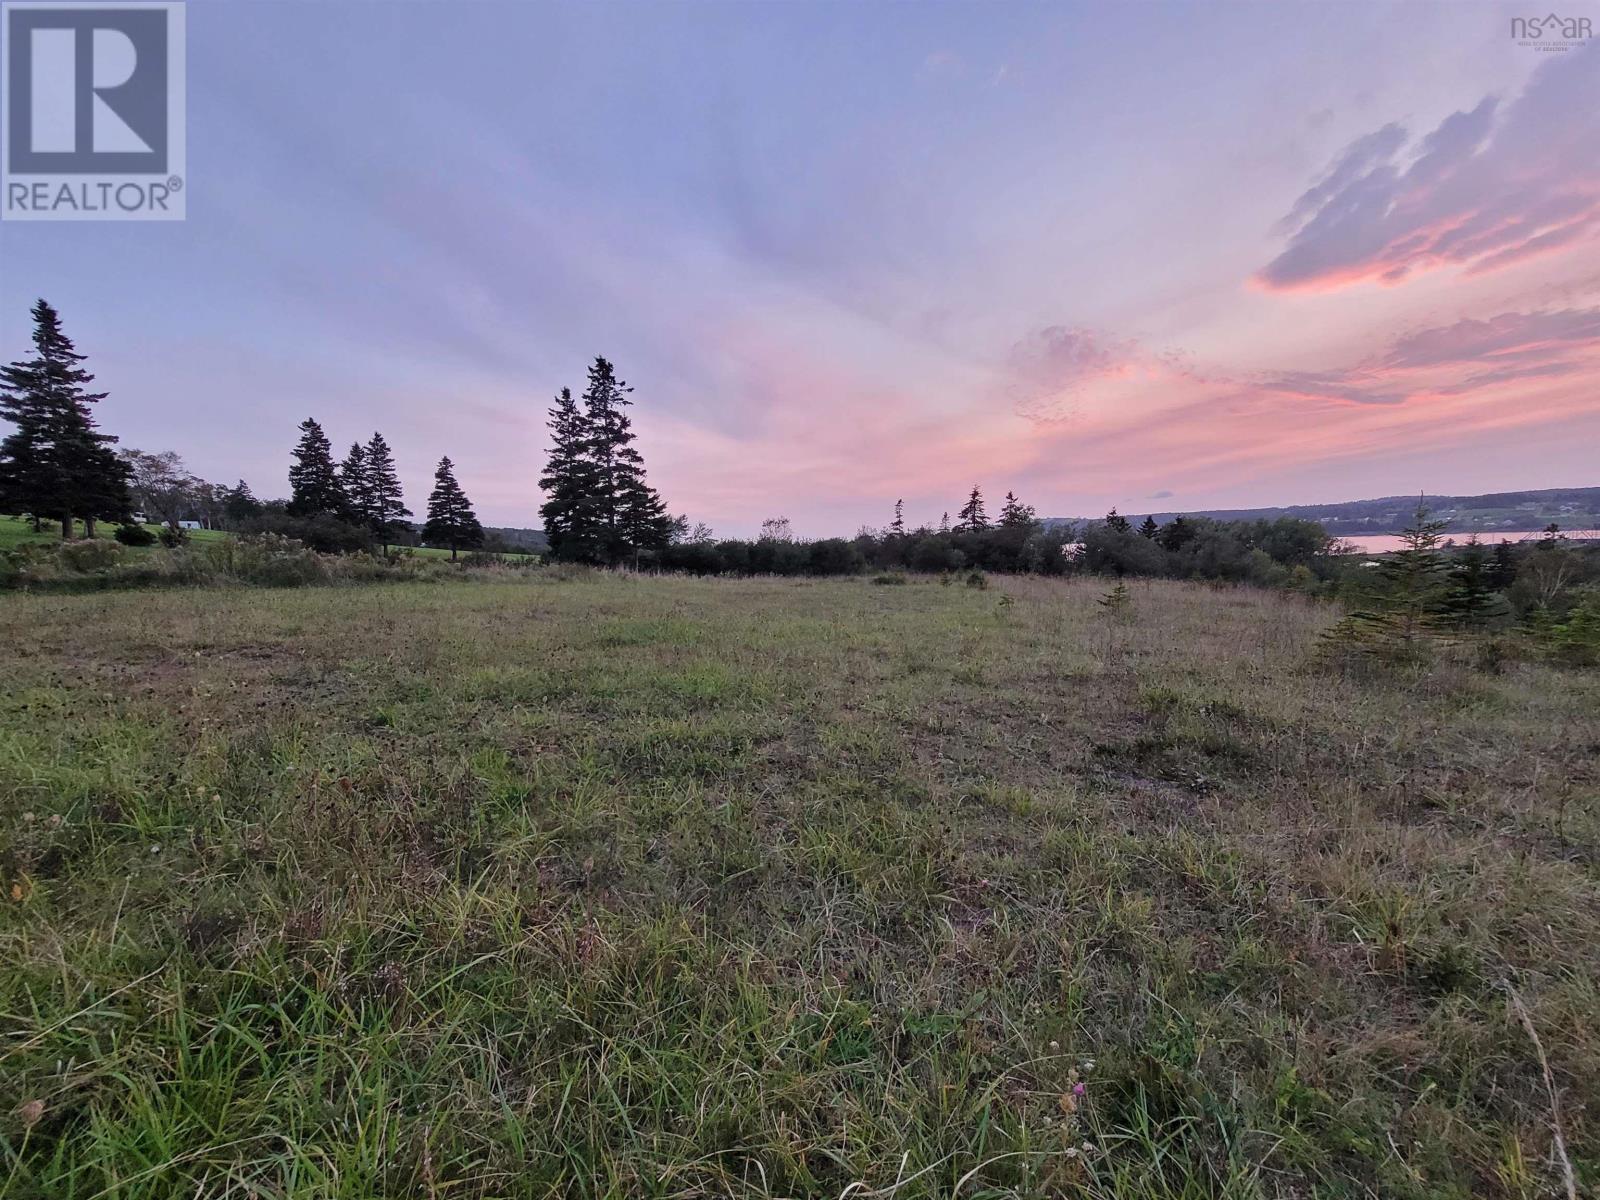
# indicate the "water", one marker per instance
pixel 1382 543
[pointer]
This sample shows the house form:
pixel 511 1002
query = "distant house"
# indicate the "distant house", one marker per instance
pixel 190 525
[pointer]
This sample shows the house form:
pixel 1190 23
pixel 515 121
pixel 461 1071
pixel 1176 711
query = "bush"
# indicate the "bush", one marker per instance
pixel 173 538
pixel 482 558
pixel 86 556
pixel 696 558
pixel 134 535
pixel 936 554
pixel 890 579
pixel 327 535
pixel 1576 641
pixel 834 556
pixel 264 558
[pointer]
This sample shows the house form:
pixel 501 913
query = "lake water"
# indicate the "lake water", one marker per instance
pixel 1382 543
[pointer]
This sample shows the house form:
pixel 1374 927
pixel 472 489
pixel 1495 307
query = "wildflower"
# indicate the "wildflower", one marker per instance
pixel 1078 1089
pixel 1055 1045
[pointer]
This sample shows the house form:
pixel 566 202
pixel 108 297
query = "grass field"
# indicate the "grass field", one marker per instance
pixel 626 887
pixel 16 531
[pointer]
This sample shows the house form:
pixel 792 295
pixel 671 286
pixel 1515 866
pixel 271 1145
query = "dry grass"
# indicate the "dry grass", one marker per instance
pixel 619 887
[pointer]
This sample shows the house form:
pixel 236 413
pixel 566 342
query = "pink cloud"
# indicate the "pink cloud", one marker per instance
pixel 1050 371
pixel 1488 188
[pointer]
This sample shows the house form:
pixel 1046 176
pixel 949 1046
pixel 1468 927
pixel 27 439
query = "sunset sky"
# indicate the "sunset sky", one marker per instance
pixel 1158 257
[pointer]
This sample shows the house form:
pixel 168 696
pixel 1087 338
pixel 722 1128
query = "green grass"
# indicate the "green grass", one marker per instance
pixel 15 531
pixel 666 888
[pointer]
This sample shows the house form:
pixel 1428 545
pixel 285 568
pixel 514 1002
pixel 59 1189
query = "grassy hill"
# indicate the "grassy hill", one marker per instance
pixel 618 887
pixel 1571 508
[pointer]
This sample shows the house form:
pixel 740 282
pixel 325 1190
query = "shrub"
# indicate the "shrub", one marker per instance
pixel 134 535
pixel 86 556
pixel 936 554
pixel 977 579
pixel 1118 603
pixel 890 579
pixel 327 535
pixel 1576 641
pixel 264 558
pixel 173 538
pixel 833 556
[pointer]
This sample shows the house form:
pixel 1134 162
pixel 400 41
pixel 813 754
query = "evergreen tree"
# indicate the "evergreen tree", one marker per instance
pixel 1503 567
pixel 1472 601
pixel 239 504
pixel 1176 534
pixel 55 462
pixel 626 516
pixel 356 487
pixel 313 482
pixel 451 521
pixel 386 504
pixel 100 481
pixel 567 481
pixel 944 522
pixel 1017 515
pixel 897 527
pixel 972 518
pixel 1117 522
pixel 642 517
pixel 1149 528
pixel 1410 603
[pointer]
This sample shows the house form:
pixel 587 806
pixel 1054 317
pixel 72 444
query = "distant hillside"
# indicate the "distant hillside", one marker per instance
pixel 531 540
pixel 1571 508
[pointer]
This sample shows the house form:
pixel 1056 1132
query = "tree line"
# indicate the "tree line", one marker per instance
pixel 57 465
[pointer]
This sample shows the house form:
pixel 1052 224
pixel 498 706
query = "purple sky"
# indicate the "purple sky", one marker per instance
pixel 1155 256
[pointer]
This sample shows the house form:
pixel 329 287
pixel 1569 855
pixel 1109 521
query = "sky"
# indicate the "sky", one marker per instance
pixel 1155 256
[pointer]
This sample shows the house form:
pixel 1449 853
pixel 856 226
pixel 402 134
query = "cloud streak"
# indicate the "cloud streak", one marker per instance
pixel 1488 188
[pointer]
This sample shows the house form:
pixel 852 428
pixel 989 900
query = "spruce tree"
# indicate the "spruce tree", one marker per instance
pixel 451 521
pixel 239 504
pixel 1410 604
pixel 567 482
pixel 642 517
pixel 356 487
pixel 1017 515
pixel 972 518
pixel 386 503
pixel 1116 521
pixel 55 462
pixel 1472 602
pixel 627 516
pixel 1149 528
pixel 313 482
pixel 1175 534
pixel 1503 566
pixel 897 527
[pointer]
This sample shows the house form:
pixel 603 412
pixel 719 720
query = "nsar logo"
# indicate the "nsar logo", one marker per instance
pixel 1551 32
